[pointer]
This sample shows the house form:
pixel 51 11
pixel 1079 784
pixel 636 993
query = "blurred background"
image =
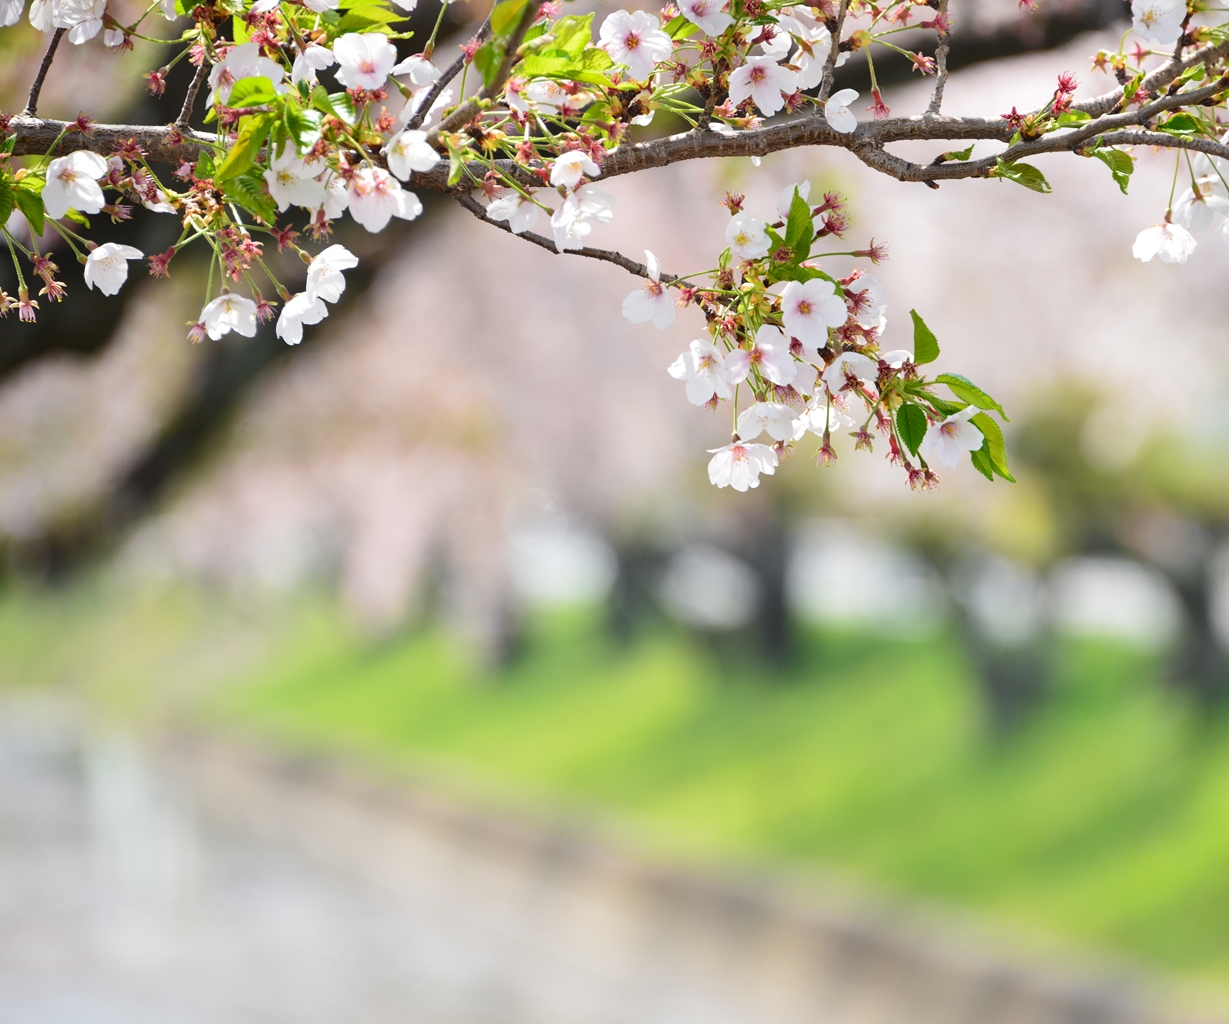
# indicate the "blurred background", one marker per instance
pixel 417 673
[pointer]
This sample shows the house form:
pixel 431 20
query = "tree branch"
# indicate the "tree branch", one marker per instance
pixel 446 76
pixel 37 87
pixel 189 100
pixel 941 52
pixel 825 85
pixel 165 144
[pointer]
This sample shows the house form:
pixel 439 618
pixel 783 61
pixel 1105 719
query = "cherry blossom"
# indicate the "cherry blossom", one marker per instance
pixel 422 73
pixel 774 417
pixel 1199 205
pixel 376 197
pixel 765 82
pixel 849 369
pixel 573 221
pixel 823 414
pixel 703 367
pixel 244 61
pixel 42 15
pixel 836 110
pixel 228 313
pixel 635 40
pixel 72 183
pixel 746 237
pixel 571 167
pixel 707 14
pixel 778 46
pixel 82 18
pixel 810 59
pixel 300 309
pixel 1158 20
pixel 310 60
pixel 947 439
pixel 769 354
pixel 364 60
pixel 10 12
pixel 407 151
pixel 324 277
pixel 868 301
pixel 786 199
pixel 291 180
pixel 651 301
pixel 520 211
pixel 739 465
pixel 1172 242
pixel 106 268
pixel 810 308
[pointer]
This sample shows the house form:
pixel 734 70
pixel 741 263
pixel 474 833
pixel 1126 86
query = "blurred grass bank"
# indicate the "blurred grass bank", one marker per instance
pixel 1104 820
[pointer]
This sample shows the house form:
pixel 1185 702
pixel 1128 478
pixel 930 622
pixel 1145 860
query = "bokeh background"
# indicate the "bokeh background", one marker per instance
pixel 461 542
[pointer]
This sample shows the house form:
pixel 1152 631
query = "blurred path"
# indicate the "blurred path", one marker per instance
pixel 218 886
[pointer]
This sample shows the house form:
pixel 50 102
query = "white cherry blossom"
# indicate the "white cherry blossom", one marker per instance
pixel 786 199
pixel 325 279
pixel 651 301
pixel 229 313
pixel 739 465
pixel 422 73
pixel 520 211
pixel 703 367
pixel 811 58
pixel 897 357
pixel 840 118
pixel 779 45
pixel 1158 20
pixel 310 60
pixel 849 368
pixel 106 268
pixel 364 60
pixel 946 440
pixel 746 237
pixel 10 12
pixel 244 61
pixel 292 180
pixel 765 81
pixel 774 417
pixel 635 40
pixel 1172 242
pixel 571 167
pixel 407 151
pixel 376 197
pixel 300 309
pixel 769 354
pixel 42 15
pixel 867 299
pixel 72 182
pixel 82 18
pixel 707 14
pixel 1200 205
pixel 573 221
pixel 810 308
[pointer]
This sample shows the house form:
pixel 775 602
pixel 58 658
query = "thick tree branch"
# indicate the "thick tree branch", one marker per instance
pixel 165 144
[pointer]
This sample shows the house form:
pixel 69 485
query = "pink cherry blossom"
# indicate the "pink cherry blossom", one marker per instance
pixel 651 301
pixel 703 367
pixel 739 465
pixel 765 82
pixel 946 440
pixel 769 354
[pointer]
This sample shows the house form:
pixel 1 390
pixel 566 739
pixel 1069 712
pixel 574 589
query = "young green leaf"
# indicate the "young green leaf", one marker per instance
pixel 505 16
pixel 7 201
pixel 488 58
pixel 925 344
pixel 1120 163
pixel 363 19
pixel 799 228
pixel 1023 174
pixel 967 391
pixel 1181 123
pixel 911 425
pixel 956 154
pixel 248 190
pixel 982 463
pixel 572 34
pixel 995 447
pixel 251 92
pixel 1070 117
pixel 243 153
pixel 30 203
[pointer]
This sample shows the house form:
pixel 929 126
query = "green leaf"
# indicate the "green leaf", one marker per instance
pixel 1023 174
pixel 1181 123
pixel 251 92
pixel 337 105
pixel 538 65
pixel 911 425
pixel 1132 87
pixel 799 228
pixel 982 463
pixel 793 272
pixel 967 391
pixel 1070 117
pixel 995 447
pixel 679 28
pixel 239 29
pixel 572 34
pixel 456 165
pixel 248 190
pixel 301 125
pixel 205 165
pixel 30 203
pixel 488 58
pixel 243 153
pixel 1120 163
pixel 7 201
pixel 1192 74
pixel 958 154
pixel 505 16
pixel 925 344
pixel 362 19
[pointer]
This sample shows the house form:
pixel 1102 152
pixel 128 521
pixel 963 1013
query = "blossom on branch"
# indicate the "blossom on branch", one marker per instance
pixel 228 313
pixel 810 308
pixel 840 118
pixel 746 237
pixel 72 183
pixel 703 368
pixel 764 82
pixel 739 465
pixel 376 197
pixel 769 354
pixel 1172 242
pixel 947 439
pixel 651 301
pixel 364 60
pixel 324 277
pixel 106 268
pixel 635 40
pixel 708 15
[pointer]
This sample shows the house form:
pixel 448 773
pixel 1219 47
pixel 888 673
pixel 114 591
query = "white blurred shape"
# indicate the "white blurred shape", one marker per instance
pixel 1115 597
pixel 1006 600
pixel 707 587
pixel 550 568
pixel 1218 583
pixel 840 573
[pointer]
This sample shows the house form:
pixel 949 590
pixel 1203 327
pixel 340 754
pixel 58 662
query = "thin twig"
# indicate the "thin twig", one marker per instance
pixel 605 255
pixel 446 76
pixel 37 87
pixel 941 51
pixel 189 101
pixel 834 52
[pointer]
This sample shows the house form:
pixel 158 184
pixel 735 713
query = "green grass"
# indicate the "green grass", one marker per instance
pixel 1105 819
